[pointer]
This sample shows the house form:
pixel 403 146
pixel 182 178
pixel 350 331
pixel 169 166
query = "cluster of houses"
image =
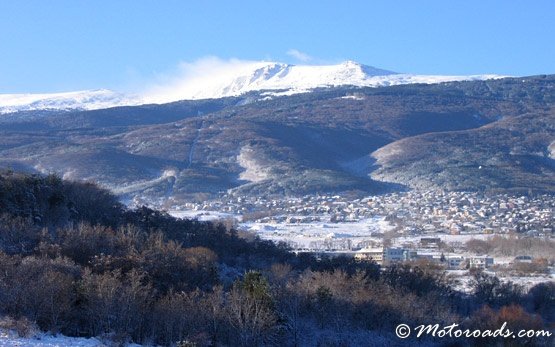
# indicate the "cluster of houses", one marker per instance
pixel 413 212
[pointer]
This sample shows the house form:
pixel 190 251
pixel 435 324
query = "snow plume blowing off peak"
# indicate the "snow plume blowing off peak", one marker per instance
pixel 213 78
pixel 210 77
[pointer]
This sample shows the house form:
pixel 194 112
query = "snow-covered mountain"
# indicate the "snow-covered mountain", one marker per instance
pixel 84 100
pixel 235 79
pixel 285 79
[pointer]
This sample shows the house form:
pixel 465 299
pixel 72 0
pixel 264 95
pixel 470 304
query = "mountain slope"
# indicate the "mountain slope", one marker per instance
pixel 330 140
pixel 511 154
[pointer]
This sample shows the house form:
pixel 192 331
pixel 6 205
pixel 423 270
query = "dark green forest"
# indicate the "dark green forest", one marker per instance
pixel 74 260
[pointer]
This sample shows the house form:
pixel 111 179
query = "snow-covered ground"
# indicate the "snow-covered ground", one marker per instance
pixel 202 215
pixel 464 279
pixel 165 175
pixel 254 171
pixel 528 281
pixel 11 339
pixel 303 233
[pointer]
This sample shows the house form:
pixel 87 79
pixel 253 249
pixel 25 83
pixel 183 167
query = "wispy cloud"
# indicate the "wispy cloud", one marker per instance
pixel 194 79
pixel 300 56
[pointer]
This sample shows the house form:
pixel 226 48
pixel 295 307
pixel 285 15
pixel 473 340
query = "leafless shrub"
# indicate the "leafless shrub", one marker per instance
pixel 22 326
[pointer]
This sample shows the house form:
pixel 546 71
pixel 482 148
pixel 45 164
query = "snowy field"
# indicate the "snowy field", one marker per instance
pixel 202 215
pixel 302 234
pixel 464 280
pixel 10 339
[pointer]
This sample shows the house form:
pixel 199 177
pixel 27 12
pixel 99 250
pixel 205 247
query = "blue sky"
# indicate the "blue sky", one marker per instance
pixel 55 45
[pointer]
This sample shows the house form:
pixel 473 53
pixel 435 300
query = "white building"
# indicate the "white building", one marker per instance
pixel 370 254
pixel 480 262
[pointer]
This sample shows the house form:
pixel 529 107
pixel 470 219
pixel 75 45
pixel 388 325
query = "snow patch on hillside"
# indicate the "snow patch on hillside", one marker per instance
pixel 254 171
pixel 355 96
pixel 167 175
pixel 360 167
pixel 389 151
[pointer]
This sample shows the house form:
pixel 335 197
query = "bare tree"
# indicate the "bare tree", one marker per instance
pixel 250 309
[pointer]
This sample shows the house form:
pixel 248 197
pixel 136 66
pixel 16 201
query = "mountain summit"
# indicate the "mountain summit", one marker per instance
pixel 224 79
pixel 276 79
pixel 272 76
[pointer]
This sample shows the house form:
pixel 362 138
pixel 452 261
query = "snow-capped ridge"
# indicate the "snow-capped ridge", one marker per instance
pixel 80 100
pixel 286 79
pixel 257 76
pixel 225 79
